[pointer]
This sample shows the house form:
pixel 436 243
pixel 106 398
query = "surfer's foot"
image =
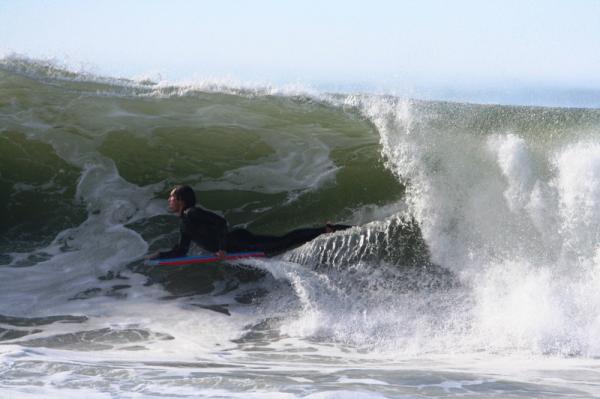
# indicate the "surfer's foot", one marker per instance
pixel 332 228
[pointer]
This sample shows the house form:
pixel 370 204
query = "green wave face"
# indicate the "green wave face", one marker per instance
pixel 37 193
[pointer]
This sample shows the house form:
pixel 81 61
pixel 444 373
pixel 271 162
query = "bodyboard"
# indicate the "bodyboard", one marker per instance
pixel 200 259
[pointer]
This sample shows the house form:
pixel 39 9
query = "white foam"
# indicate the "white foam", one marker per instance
pixel 365 381
pixel 100 244
pixel 345 394
pixel 578 185
pixel 518 222
pixel 226 85
pixel 516 165
pixel 287 171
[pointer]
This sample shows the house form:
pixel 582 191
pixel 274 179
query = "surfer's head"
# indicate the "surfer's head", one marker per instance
pixel 181 198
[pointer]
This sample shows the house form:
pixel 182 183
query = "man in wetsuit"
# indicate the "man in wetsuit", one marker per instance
pixel 209 231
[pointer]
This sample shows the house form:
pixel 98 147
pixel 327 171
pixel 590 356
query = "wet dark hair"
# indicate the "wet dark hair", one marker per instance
pixel 186 194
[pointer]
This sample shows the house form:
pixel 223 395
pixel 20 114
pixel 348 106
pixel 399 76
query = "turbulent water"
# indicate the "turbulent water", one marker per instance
pixel 473 269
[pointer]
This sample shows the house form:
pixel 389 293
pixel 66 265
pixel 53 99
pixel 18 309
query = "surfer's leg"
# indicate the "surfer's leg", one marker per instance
pixel 331 228
pixel 301 236
pixel 298 237
pixel 241 240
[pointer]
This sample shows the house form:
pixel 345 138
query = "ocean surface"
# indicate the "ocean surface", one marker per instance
pixel 473 269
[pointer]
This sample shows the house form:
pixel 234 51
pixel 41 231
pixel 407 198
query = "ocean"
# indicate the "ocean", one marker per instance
pixel 472 269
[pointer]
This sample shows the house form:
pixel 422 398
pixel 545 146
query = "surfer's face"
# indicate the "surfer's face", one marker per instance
pixel 175 204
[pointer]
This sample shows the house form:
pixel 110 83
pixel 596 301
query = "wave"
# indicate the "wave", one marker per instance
pixel 477 225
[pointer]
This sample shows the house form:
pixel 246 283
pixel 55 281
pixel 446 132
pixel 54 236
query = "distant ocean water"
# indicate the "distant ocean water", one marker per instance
pixel 473 269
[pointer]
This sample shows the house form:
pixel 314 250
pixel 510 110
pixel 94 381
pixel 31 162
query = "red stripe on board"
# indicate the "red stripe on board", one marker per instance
pixel 203 259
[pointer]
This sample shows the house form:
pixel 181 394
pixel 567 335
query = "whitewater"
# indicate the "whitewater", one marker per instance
pixel 472 269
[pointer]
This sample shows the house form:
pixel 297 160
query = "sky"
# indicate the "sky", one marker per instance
pixel 460 45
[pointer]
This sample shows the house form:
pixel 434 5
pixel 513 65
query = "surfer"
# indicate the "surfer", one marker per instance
pixel 209 231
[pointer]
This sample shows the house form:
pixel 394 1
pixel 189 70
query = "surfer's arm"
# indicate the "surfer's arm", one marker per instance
pixel 215 228
pixel 222 238
pixel 181 249
pixel 221 254
pixel 221 233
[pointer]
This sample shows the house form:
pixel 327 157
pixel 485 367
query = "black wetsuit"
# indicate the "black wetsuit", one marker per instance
pixel 205 228
pixel 209 231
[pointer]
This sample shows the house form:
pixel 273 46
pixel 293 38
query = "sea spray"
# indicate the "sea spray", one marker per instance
pixel 485 207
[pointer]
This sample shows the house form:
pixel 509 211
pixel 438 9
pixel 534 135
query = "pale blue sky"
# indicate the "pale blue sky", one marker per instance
pixel 461 44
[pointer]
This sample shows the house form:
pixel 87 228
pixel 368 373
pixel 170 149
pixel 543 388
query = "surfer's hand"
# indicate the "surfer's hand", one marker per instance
pixel 221 254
